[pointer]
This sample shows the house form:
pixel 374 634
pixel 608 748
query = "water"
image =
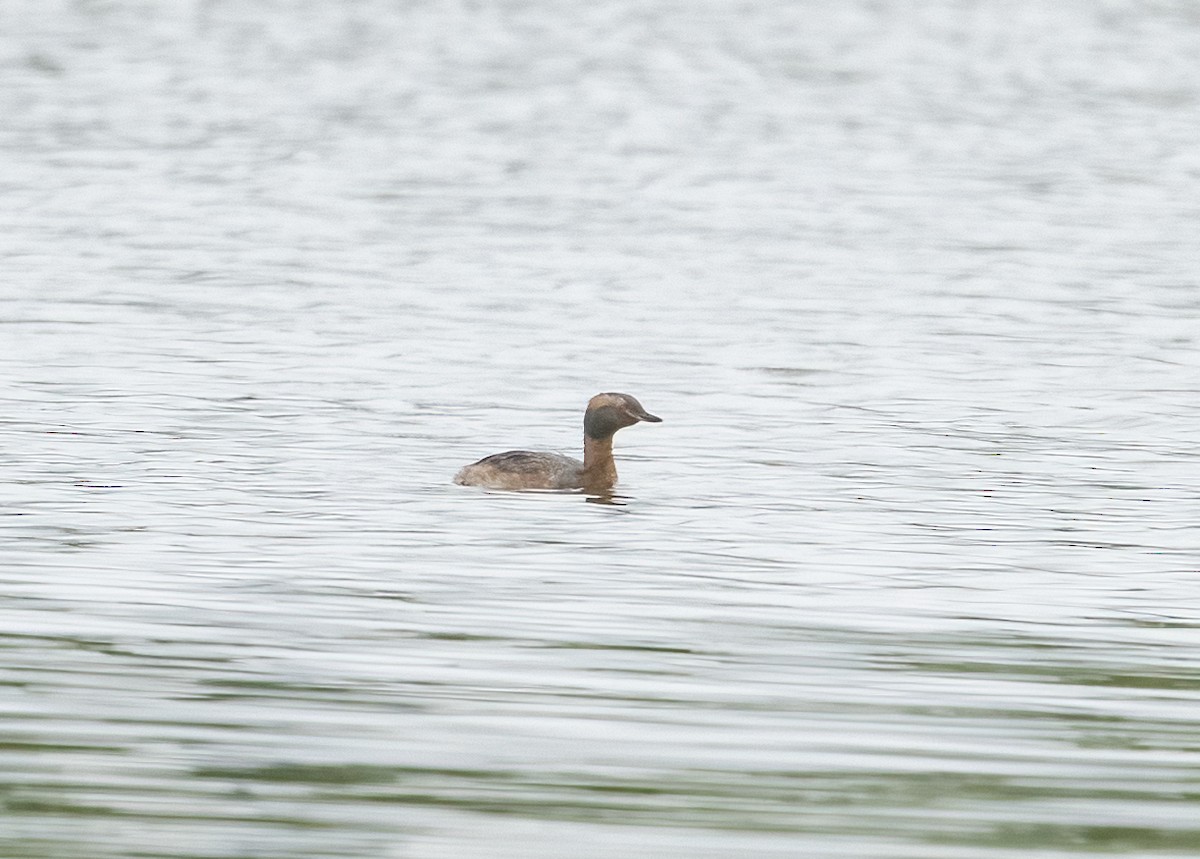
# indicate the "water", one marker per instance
pixel 908 571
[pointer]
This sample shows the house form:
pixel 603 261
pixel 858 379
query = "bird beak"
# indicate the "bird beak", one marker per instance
pixel 643 415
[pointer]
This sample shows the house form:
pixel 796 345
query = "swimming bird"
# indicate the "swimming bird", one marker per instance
pixel 527 469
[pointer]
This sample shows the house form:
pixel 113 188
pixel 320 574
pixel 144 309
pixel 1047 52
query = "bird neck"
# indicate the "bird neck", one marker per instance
pixel 599 469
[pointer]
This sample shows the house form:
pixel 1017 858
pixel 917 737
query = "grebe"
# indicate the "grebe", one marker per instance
pixel 526 469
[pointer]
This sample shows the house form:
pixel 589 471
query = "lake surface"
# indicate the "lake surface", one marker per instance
pixel 909 570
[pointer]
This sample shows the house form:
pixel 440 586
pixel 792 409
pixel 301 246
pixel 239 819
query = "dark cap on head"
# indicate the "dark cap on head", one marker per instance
pixel 607 413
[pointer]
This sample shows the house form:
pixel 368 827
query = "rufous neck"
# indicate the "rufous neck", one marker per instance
pixel 599 469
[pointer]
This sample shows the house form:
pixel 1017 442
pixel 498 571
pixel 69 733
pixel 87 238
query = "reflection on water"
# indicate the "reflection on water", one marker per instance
pixel 909 570
pixel 608 498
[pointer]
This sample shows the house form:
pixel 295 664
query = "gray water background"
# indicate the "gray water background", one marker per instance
pixel 909 569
